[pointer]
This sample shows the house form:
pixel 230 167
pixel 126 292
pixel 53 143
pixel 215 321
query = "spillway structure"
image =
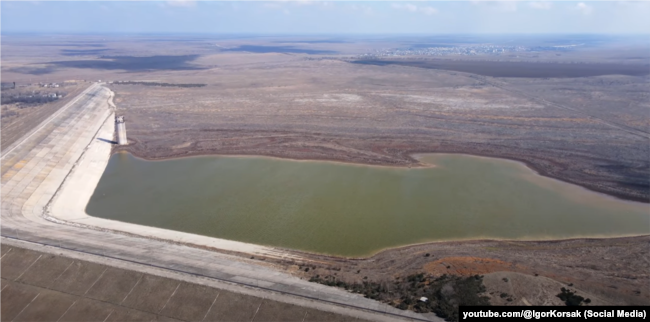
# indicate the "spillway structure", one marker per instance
pixel 120 128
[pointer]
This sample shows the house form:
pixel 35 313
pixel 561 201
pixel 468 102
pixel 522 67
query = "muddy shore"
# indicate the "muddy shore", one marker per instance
pixel 543 165
pixel 614 268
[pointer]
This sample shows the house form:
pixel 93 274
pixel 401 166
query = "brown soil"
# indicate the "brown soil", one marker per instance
pixel 357 113
pixel 468 266
pixel 614 270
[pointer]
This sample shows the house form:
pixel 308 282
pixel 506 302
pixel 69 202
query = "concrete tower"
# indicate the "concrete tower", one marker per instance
pixel 120 128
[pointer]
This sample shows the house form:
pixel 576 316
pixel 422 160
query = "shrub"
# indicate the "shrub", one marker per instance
pixel 570 298
pixel 445 293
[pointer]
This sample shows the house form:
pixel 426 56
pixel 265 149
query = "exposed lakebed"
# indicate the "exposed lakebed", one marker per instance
pixel 355 210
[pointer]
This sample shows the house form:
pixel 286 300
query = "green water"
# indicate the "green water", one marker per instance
pixel 355 210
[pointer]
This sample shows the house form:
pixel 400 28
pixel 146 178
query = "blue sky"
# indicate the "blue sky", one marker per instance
pixel 326 17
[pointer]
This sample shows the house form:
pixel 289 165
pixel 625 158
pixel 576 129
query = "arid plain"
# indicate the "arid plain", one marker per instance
pixel 578 115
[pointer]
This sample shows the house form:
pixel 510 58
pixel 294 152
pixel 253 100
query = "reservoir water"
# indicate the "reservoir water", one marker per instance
pixel 356 210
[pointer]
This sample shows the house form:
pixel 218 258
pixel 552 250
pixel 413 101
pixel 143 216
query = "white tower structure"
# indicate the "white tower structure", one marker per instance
pixel 120 128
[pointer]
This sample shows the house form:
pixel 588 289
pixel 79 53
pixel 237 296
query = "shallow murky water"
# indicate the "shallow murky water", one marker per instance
pixel 355 210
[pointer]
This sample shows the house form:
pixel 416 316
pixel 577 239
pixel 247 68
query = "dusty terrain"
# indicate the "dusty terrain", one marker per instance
pixel 608 271
pixel 314 103
pixel 310 100
pixel 381 115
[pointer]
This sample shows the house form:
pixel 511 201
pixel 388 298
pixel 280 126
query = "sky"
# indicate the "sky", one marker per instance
pixel 326 17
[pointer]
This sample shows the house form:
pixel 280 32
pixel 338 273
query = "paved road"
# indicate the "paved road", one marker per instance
pixel 35 168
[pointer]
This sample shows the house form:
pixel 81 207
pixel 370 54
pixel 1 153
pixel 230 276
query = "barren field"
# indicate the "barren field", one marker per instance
pixel 608 271
pixel 590 131
pixel 517 69
pixel 19 118
pixel 306 99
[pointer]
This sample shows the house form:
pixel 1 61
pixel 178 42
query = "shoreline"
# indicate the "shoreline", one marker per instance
pixel 443 243
pixel 618 196
pixel 431 242
pixel 68 205
pixel 201 155
pixel 383 264
pixel 67 158
pixel 487 240
pixel 418 164
pixel 214 243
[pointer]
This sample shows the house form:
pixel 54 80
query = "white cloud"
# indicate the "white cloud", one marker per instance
pixel 413 8
pixel 182 3
pixel 401 6
pixel 544 5
pixel 584 8
pixel 504 5
pixel 363 8
pixel 282 3
pixel 429 10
